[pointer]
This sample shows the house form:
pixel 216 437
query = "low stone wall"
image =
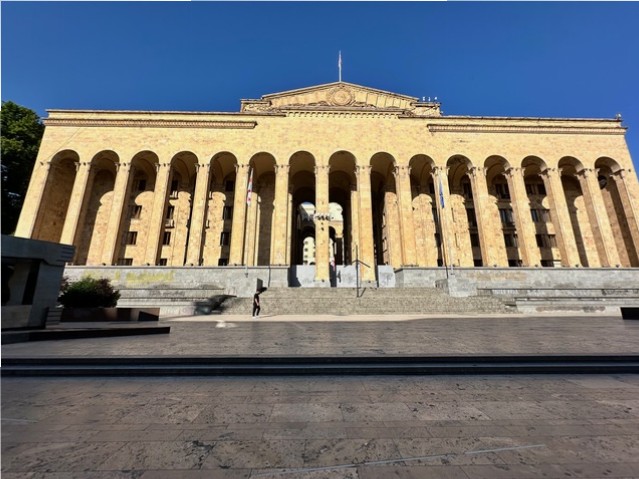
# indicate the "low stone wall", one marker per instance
pixel 505 279
pixel 233 280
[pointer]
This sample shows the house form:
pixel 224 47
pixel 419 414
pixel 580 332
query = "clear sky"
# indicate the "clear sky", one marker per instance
pixel 544 59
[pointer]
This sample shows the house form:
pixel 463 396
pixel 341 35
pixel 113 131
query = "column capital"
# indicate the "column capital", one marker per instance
pixel 477 170
pixel 585 172
pixel 82 164
pixel 203 166
pixel 322 169
pixel 123 166
pixel 548 172
pixel 282 169
pixel 359 169
pixel 438 170
pixel 401 171
pixel 161 166
pixel 619 175
pixel 514 170
pixel 241 166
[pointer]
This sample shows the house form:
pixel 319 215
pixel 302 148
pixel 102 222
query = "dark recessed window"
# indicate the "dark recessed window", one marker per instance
pixel 166 238
pixel 225 238
pixel 131 237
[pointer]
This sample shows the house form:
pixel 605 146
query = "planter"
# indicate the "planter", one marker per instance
pixel 109 314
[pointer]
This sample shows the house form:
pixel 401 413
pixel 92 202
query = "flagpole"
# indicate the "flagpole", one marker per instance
pixel 249 192
pixel 446 249
pixel 441 232
pixel 339 65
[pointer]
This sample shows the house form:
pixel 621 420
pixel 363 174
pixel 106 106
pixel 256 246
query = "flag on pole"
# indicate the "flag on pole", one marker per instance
pixel 249 188
pixel 441 193
pixel 339 65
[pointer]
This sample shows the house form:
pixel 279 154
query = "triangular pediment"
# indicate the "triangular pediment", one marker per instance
pixel 333 96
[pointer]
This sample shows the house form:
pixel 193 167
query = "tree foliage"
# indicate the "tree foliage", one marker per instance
pixel 89 293
pixel 21 134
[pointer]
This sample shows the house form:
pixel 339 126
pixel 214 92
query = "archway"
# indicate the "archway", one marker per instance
pixel 56 197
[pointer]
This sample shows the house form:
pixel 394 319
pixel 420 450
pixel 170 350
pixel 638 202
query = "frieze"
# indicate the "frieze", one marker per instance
pixel 151 123
pixel 343 114
pixel 525 129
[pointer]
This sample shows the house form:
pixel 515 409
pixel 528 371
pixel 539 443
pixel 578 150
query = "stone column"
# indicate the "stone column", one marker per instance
pixel 120 190
pixel 289 225
pixel 402 181
pixel 560 217
pixel 33 199
pixel 631 214
pixel 354 219
pixel 322 217
pixel 279 228
pixel 530 253
pixel 198 215
pixel 156 224
pixel 236 256
pixel 78 194
pixel 486 224
pixel 393 226
pixel 427 253
pixel 366 240
pixel 598 218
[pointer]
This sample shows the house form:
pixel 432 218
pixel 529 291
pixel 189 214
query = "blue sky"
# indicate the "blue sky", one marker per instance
pixel 545 59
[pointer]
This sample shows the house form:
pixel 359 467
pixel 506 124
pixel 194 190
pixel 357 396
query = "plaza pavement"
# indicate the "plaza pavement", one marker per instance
pixel 351 427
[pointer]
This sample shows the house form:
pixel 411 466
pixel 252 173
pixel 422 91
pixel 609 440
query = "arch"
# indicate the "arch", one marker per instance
pixel 421 167
pixel 462 203
pixel 342 184
pixel 607 163
pixel 56 196
pixel 569 165
pixel 577 210
pixel 386 221
pixel 425 217
pixel 218 216
pixel 93 222
pixel 612 191
pixel 137 208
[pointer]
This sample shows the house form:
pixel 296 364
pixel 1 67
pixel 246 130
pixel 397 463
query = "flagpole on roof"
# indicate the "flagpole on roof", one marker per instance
pixel 339 65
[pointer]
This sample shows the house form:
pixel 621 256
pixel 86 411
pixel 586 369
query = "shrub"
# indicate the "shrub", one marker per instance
pixel 90 293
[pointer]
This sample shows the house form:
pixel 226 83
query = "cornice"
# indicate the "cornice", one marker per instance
pixel 150 123
pixel 545 129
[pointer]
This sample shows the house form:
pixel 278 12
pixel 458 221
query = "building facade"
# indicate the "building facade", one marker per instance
pixel 339 170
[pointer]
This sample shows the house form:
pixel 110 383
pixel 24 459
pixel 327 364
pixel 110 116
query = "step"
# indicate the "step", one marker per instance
pixel 395 365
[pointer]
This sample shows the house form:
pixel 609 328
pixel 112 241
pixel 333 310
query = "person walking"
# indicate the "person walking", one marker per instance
pixel 256 304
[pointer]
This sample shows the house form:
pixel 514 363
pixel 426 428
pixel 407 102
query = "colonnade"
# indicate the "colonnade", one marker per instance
pixel 424 218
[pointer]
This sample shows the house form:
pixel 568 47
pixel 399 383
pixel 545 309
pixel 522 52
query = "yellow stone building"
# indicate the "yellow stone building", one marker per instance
pixel 413 187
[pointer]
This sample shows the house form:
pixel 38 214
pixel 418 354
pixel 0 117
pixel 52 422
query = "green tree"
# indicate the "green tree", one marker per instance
pixel 21 134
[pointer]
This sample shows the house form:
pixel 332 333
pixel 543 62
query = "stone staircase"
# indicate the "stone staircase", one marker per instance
pixel 173 301
pixel 588 300
pixel 344 301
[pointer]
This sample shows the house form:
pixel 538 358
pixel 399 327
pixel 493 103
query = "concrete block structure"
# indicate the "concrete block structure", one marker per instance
pixel 333 175
pixel 31 278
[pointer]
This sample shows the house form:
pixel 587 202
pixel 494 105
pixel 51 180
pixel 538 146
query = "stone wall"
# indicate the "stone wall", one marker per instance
pixel 504 279
pixel 237 281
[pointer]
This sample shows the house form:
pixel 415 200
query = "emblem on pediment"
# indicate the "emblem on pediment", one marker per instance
pixel 340 96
